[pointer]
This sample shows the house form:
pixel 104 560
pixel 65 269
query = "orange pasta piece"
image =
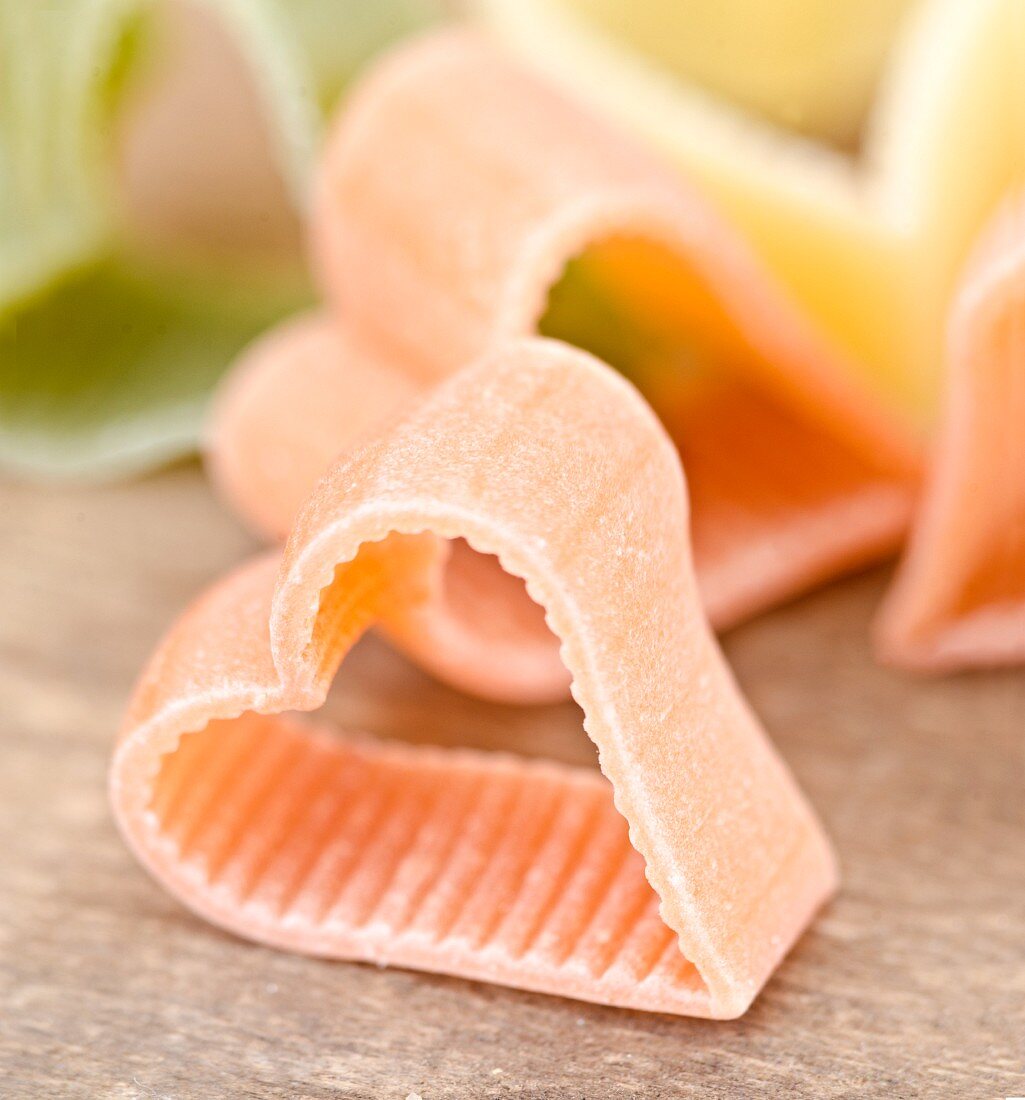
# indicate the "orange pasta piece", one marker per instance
pixel 959 597
pixel 675 884
pixel 462 204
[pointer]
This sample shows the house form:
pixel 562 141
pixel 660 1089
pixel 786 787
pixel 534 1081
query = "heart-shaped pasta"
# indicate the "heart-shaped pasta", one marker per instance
pixel 462 204
pixel 676 883
pixel 959 598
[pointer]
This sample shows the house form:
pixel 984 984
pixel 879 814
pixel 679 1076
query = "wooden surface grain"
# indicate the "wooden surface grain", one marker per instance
pixel 912 984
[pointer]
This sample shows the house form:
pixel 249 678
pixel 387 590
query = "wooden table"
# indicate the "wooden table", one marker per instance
pixel 912 984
